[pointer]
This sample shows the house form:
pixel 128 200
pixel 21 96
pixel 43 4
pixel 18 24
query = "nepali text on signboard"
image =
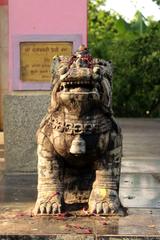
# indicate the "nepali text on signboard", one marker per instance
pixel 36 57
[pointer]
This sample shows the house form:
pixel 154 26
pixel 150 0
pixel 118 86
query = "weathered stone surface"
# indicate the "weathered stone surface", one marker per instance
pixel 79 136
pixel 17 222
pixel 75 237
pixel 56 237
pixel 22 115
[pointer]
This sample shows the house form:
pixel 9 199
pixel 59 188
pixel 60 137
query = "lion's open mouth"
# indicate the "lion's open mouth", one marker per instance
pixel 77 86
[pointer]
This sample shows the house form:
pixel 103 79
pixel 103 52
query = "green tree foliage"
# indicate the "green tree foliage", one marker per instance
pixel 135 54
pixel 157 1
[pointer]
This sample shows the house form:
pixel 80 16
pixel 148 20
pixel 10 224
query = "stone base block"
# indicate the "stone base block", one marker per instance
pixel 22 116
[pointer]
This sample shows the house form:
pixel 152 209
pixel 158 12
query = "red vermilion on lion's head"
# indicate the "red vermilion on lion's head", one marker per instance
pixel 81 81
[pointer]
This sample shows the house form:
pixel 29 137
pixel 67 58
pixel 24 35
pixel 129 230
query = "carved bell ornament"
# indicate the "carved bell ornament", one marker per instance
pixel 78 145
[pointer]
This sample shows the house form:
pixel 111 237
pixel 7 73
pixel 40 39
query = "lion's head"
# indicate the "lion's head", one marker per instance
pixel 81 82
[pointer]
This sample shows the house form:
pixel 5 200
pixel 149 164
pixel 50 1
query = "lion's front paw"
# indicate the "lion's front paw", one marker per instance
pixel 51 204
pixel 104 201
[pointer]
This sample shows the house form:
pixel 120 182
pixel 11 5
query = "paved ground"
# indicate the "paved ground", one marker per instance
pixel 139 191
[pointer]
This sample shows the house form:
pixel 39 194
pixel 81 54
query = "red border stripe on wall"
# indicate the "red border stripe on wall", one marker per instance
pixel 3 2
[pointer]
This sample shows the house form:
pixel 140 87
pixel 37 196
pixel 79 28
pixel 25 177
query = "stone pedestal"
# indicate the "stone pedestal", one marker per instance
pixel 22 116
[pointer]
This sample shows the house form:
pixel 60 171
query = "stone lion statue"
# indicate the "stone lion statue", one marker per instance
pixel 79 141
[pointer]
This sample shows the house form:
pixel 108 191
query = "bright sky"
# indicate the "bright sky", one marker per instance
pixel 127 8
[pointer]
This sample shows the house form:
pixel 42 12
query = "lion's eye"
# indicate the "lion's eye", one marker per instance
pixel 97 70
pixel 61 88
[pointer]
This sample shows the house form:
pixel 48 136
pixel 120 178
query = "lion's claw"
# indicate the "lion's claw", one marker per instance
pixel 48 208
pixel 99 207
pixel 100 203
pixel 105 208
pixel 48 205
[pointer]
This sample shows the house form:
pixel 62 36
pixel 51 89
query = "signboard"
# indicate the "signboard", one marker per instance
pixel 36 57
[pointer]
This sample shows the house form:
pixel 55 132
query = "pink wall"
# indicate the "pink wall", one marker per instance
pixel 3 2
pixel 34 17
